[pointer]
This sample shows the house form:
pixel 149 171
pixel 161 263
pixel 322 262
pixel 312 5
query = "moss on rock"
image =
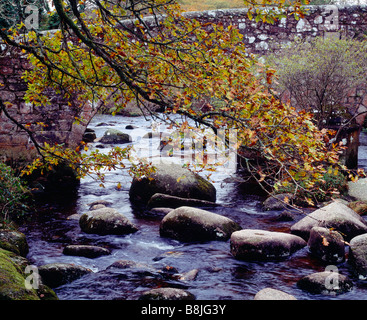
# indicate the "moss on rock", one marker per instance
pixel 12 279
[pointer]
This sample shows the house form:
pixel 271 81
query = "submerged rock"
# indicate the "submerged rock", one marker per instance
pixel 173 180
pixel 57 274
pixel 192 224
pixel 167 294
pixel 327 283
pixel 273 294
pixel 335 215
pixel 106 221
pixel 165 200
pixel 253 244
pixel 85 251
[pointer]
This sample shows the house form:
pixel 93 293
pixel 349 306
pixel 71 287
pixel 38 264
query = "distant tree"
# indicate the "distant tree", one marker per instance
pixel 319 74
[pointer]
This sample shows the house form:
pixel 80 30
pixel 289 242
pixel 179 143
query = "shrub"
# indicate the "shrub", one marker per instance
pixel 13 195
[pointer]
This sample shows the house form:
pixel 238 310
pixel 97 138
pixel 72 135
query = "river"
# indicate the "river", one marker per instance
pixel 220 276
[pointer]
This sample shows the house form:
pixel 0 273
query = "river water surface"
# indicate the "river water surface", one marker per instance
pixel 220 276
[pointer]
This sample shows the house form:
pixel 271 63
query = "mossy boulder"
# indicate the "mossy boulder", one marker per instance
pixel 174 180
pixel 12 278
pixel 192 224
pixel 14 241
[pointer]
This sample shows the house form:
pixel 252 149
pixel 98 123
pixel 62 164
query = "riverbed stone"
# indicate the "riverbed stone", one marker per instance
pixel 326 283
pixel 106 221
pixel 192 224
pixel 273 294
pixel 57 274
pixel 327 245
pixel 14 241
pixel 174 180
pixel 113 136
pixel 254 244
pixel 358 256
pixel 87 251
pixel 167 294
pixel 166 200
pixel 334 215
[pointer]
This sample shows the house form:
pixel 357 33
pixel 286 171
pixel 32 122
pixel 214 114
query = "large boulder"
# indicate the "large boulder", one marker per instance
pixel 106 221
pixel 326 282
pixel 173 180
pixel 335 215
pixel 192 224
pixel 57 274
pixel 358 256
pixel 328 245
pixel 113 136
pixel 253 244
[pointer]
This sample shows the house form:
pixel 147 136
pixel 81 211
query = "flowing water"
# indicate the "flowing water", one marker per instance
pixel 220 276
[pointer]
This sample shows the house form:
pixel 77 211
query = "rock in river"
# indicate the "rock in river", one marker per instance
pixel 173 180
pixel 326 282
pixel 160 200
pixel 57 274
pixel 273 294
pixel 167 294
pixel 192 224
pixel 253 244
pixel 106 221
pixel 335 215
pixel 113 136
pixel 326 244
pixel 87 251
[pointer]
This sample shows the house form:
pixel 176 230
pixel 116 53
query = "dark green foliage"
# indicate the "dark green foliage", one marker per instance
pixel 13 195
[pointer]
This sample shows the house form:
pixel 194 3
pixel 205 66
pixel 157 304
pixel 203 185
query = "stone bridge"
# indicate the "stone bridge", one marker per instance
pixel 58 117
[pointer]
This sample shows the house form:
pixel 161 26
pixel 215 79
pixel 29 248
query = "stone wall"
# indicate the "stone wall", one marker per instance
pixel 53 123
pixel 319 21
